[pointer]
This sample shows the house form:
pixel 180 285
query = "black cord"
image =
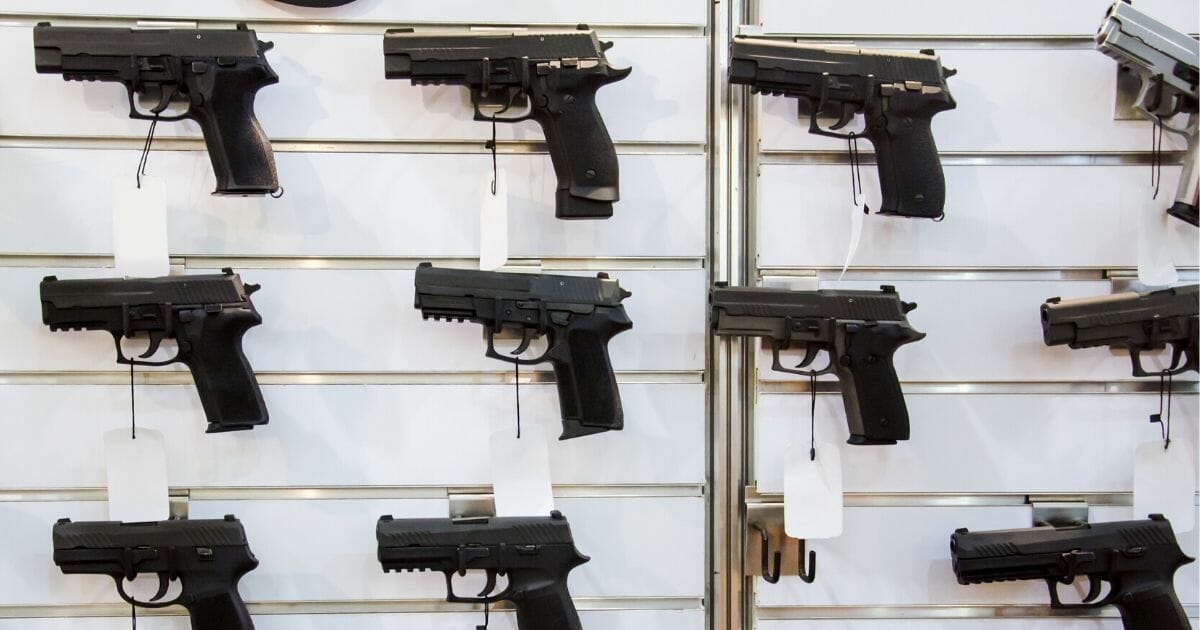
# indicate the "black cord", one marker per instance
pixel 141 170
pixel 492 145
pixel 812 418
pixel 856 186
pixel 517 384
pixel 132 405
pixel 486 621
pixel 1165 388
pixel 1156 139
pixel 133 615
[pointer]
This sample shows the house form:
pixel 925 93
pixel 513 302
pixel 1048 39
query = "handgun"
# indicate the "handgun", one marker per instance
pixel 1165 61
pixel 215 72
pixel 535 553
pixel 205 314
pixel 550 77
pixel 1138 560
pixel 207 558
pixel 577 315
pixel 897 92
pixel 859 330
pixel 1137 322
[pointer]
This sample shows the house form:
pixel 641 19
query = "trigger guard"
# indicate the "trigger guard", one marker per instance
pixel 777 365
pixel 491 353
pixel 164 584
pixel 124 360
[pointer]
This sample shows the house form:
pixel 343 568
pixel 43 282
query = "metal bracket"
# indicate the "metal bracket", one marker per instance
pixel 472 505
pixel 1125 281
pixel 1059 513
pixel 782 555
pixel 178 504
pixel 1129 85
pixel 750 30
pixel 809 281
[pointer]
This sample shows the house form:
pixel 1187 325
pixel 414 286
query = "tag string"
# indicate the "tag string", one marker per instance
pixel 517 387
pixel 812 418
pixel 132 408
pixel 1165 388
pixel 141 170
pixel 486 621
pixel 133 616
pixel 856 186
pixel 491 144
pixel 1156 139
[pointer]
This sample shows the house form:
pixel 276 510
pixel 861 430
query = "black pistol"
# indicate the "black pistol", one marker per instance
pixel 535 553
pixel 215 72
pixel 1138 559
pixel 550 77
pixel 207 557
pixel 205 314
pixel 579 316
pixel 859 330
pixel 1137 322
pixel 897 92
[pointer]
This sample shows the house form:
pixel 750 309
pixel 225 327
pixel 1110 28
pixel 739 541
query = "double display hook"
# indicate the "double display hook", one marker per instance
pixel 771 564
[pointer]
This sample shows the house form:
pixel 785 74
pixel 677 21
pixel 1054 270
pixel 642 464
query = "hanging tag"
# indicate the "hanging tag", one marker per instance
pixel 1164 482
pixel 1155 268
pixel 140 227
pixel 856 228
pixel 137 475
pixel 812 492
pixel 493 222
pixel 521 472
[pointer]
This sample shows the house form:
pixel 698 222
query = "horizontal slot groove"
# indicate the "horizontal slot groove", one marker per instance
pixel 351 493
pixel 179 377
pixel 285 145
pixel 1015 611
pixel 963 274
pixel 348 607
pixel 1065 41
pixel 960 499
pixel 984 158
pixel 370 263
pixel 344 25
pixel 1149 386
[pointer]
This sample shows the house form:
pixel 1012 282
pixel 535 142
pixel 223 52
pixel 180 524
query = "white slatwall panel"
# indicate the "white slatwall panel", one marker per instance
pixel 365 181
pixel 939 624
pixel 353 204
pixel 358 435
pixel 980 443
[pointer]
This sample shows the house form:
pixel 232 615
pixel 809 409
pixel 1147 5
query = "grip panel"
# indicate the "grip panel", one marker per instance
pixel 875 408
pixel 549 608
pixel 910 173
pixel 224 379
pixel 587 388
pixel 239 149
pixel 223 611
pixel 1152 606
pixel 585 162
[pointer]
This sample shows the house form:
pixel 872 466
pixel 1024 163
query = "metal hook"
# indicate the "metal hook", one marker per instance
pixel 807 573
pixel 771 575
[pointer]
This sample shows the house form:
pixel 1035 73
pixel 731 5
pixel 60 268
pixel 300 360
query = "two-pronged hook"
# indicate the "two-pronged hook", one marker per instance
pixel 771 563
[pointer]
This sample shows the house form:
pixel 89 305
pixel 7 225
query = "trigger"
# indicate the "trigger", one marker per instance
pixel 156 339
pixel 163 584
pixel 164 99
pixel 1094 585
pixel 490 585
pixel 847 116
pixel 810 354
pixel 526 339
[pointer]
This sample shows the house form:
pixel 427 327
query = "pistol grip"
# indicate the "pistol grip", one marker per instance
pixel 910 172
pixel 581 150
pixel 587 388
pixel 221 611
pixel 1151 604
pixel 224 379
pixel 875 408
pixel 549 608
pixel 239 149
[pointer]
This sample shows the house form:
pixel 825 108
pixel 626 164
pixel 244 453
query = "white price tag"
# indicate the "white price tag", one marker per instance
pixel 137 476
pixel 1155 268
pixel 856 228
pixel 812 492
pixel 493 222
pixel 140 227
pixel 521 472
pixel 1164 482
